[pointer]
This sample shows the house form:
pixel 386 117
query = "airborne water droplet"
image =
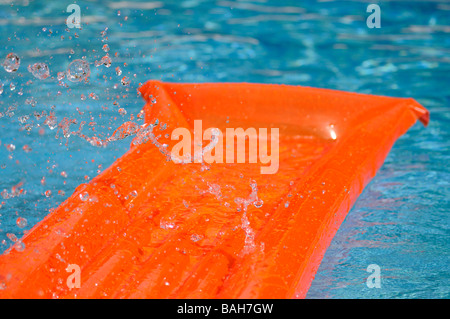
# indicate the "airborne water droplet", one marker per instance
pixel 10 147
pixel 11 62
pixel 12 237
pixel 78 70
pixel 21 222
pixel 26 148
pixel 106 61
pixel 39 70
pixel 125 81
pixel 60 75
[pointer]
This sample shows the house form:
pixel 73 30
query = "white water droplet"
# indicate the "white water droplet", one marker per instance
pixel 332 131
pixel 11 62
pixel 84 196
pixel 61 75
pixel 10 147
pixel 21 222
pixel 19 246
pixel 103 33
pixel 125 81
pixel 78 70
pixel 106 61
pixel 39 70
pixel 12 237
pixel 166 224
pixel 26 148
pixel 258 203
pixel 196 238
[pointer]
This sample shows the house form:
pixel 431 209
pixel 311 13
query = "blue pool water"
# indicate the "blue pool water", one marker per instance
pixel 399 223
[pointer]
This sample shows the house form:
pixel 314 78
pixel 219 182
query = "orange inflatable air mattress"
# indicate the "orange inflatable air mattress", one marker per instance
pixel 213 223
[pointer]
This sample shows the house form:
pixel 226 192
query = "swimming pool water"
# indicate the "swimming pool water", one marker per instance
pixel 400 222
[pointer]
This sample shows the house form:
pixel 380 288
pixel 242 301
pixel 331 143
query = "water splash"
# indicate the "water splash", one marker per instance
pixel 198 155
pixel 214 189
pixel 243 203
pixel 16 191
